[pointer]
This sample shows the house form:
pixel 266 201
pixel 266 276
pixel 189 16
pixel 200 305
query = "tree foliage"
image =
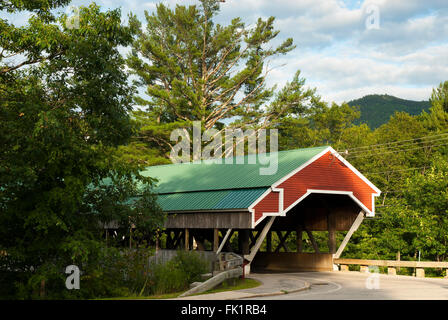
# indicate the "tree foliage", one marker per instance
pixel 194 69
pixel 64 108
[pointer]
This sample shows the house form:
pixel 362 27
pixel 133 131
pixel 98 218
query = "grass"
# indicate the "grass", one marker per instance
pixel 156 296
pixel 237 284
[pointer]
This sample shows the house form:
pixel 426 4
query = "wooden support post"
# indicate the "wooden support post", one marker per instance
pixel 349 234
pixel 391 271
pixel 187 239
pixel 190 239
pixel 332 241
pixel 420 272
pixel 344 267
pixel 299 239
pixel 331 234
pixel 244 234
pixel 215 240
pixel 364 269
pixel 269 241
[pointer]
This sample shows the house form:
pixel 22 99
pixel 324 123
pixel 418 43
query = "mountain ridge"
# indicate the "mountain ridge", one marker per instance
pixel 376 109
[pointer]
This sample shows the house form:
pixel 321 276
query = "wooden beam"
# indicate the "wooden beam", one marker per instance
pixel 190 241
pixel 260 239
pixel 349 234
pixel 331 241
pixel 209 220
pixel 313 241
pixel 253 239
pixel 393 263
pixel 331 233
pixel 243 237
pixel 187 239
pixel 228 245
pixel 282 239
pixel 215 240
pixel 177 239
pixel 223 242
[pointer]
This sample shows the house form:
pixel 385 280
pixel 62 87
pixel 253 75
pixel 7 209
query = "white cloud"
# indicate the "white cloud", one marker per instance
pixel 406 57
pixel 349 75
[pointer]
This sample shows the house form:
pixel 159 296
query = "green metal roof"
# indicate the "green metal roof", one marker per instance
pixel 209 200
pixel 206 186
pixel 202 176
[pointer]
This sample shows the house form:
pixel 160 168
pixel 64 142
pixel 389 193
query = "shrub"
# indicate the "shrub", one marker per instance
pixel 177 274
pixel 192 264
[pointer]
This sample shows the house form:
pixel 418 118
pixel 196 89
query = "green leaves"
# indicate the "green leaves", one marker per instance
pixel 64 110
pixel 194 69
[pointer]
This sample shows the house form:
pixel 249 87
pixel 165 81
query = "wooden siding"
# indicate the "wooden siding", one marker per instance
pixel 202 220
pixel 326 173
pixel 292 262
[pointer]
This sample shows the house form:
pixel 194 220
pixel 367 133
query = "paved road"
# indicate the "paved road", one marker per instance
pixel 355 286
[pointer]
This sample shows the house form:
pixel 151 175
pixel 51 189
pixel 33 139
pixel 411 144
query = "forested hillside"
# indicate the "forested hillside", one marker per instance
pixel 376 109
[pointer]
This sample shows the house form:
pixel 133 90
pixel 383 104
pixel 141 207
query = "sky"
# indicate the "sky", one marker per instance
pixel 345 48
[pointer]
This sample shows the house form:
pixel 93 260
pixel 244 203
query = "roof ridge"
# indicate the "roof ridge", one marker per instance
pixel 203 160
pixel 212 190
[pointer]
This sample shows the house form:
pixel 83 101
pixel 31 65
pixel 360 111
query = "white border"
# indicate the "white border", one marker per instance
pixel 281 212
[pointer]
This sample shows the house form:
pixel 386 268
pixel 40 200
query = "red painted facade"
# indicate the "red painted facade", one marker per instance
pixel 326 173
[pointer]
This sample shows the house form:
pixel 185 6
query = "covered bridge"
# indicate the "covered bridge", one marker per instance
pixel 314 189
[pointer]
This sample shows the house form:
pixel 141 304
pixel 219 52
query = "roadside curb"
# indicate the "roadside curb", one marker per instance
pixel 237 294
pixel 275 293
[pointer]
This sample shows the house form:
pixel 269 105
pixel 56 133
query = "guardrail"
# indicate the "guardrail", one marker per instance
pixel 227 260
pixel 392 265
pixel 228 265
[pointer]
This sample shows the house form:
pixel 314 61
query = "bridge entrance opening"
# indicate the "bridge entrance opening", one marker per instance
pixel 309 236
